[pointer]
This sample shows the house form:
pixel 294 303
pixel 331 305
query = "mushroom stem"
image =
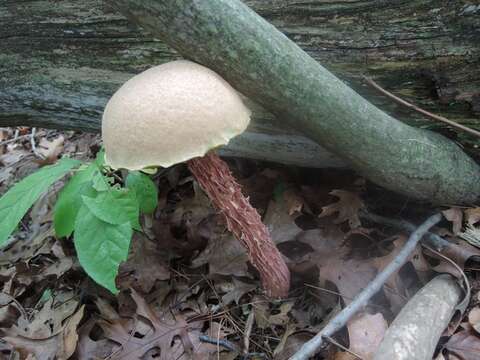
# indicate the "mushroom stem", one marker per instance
pixel 243 220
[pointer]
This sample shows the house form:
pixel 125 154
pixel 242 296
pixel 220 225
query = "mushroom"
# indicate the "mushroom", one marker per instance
pixel 181 111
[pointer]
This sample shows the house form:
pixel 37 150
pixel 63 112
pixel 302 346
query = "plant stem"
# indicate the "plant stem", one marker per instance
pixel 243 220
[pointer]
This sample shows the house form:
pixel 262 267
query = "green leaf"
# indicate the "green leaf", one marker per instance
pixel 145 189
pixel 102 182
pixel 47 295
pixel 101 247
pixel 16 202
pixel 70 199
pixel 116 206
pixel 100 158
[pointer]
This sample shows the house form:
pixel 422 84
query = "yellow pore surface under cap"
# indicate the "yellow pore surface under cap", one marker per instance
pixel 169 114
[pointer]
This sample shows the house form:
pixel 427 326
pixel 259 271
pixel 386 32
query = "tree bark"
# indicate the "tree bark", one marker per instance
pixel 262 63
pixel 415 332
pixel 60 61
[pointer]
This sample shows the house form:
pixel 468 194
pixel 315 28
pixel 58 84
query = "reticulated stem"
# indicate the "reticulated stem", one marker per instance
pixel 243 220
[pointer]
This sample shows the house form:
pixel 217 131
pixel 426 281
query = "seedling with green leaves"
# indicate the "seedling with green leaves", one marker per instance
pixel 172 113
pixel 93 206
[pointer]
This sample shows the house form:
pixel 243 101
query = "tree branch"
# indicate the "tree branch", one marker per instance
pixel 340 320
pixel 420 110
pixel 265 65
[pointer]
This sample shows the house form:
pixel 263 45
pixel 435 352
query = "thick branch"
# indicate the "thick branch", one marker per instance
pixel 261 62
pixel 415 332
pixel 62 60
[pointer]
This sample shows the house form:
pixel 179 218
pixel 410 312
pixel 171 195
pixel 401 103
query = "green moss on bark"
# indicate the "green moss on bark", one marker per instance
pixel 264 64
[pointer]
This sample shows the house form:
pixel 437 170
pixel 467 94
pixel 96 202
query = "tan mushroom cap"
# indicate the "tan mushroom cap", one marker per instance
pixel 170 114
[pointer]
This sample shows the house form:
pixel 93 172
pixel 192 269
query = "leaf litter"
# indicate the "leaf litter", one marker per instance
pixel 187 289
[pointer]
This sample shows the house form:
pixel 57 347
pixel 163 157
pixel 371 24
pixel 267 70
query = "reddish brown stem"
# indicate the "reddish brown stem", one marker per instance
pixel 215 178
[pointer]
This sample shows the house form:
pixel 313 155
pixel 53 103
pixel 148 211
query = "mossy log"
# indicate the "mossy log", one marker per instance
pixel 61 60
pixel 261 62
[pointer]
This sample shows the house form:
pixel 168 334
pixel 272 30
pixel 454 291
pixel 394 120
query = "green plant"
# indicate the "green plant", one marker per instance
pixel 93 205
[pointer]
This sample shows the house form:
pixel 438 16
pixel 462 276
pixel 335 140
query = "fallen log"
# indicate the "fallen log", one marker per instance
pixel 262 63
pixel 61 61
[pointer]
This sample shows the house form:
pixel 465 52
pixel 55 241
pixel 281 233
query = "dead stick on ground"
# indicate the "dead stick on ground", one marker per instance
pixel 340 320
pixel 337 344
pixel 248 331
pixel 437 242
pixel 420 110
pixel 434 240
pixel 5 142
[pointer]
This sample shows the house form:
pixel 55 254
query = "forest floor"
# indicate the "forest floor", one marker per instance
pixel 187 290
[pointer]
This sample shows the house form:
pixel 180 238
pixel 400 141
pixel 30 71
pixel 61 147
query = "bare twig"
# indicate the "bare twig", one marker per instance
pixel 20 308
pixel 335 293
pixel 32 139
pixel 248 331
pixel 5 142
pixel 433 240
pixel 34 146
pixel 337 344
pixel 219 342
pixel 430 239
pixel 340 320
pixel 420 110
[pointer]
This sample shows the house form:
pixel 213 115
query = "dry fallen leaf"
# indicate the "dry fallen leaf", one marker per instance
pixel 145 265
pixel 25 249
pixel 330 255
pixel 365 332
pixel 474 319
pixel 294 201
pixel 262 311
pixel 471 235
pixel 88 348
pixel 202 350
pixel 70 336
pixel 396 289
pixel 236 290
pixel 281 318
pixel 149 336
pixel 42 338
pixel 226 256
pixel 472 216
pixel 279 219
pixel 465 344
pixel 454 215
pixel 291 345
pixel 347 207
pixel 196 208
pixel 281 350
pixel 50 150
